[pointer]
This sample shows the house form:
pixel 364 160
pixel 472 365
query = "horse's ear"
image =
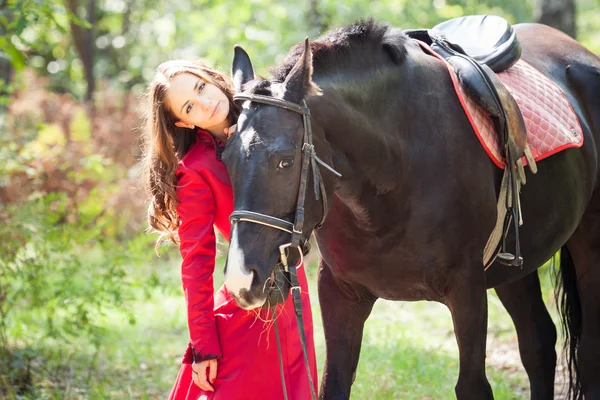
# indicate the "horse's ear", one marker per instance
pixel 298 84
pixel 241 69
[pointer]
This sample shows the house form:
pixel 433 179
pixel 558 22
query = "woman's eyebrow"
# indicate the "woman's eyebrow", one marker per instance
pixel 184 104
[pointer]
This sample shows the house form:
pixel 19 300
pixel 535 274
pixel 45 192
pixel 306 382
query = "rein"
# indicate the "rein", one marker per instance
pixel 309 158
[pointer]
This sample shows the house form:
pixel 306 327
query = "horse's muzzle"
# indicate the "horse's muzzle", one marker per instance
pixel 264 294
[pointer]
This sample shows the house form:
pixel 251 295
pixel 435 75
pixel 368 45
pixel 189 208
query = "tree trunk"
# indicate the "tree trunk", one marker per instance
pixel 6 73
pixel 6 68
pixel 90 44
pixel 83 38
pixel 559 14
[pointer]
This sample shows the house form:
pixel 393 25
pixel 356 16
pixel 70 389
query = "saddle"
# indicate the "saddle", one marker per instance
pixel 477 47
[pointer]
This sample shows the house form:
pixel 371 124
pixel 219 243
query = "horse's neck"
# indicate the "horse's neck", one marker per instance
pixel 368 157
pixel 363 124
pixel 376 128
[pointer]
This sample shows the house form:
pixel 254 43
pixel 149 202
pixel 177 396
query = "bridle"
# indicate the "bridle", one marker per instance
pixel 309 158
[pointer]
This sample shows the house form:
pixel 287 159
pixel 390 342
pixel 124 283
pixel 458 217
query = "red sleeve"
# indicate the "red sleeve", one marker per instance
pixel 196 212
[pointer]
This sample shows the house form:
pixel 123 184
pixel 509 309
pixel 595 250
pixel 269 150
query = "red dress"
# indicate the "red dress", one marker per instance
pixel 248 366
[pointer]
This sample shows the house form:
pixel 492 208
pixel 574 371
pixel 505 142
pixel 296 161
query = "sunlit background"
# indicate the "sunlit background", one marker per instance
pixel 87 310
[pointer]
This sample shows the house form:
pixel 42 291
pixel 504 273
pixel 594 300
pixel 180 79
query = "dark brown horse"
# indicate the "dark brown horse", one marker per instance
pixel 411 214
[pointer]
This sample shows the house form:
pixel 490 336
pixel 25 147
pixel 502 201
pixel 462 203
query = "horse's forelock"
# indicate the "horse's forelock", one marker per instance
pixel 258 85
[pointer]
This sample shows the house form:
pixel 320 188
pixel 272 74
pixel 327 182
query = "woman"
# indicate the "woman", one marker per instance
pixel 232 352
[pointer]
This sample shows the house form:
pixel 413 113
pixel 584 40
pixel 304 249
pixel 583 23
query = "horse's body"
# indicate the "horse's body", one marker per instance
pixel 417 201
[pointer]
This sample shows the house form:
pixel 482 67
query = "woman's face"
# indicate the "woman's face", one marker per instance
pixel 196 102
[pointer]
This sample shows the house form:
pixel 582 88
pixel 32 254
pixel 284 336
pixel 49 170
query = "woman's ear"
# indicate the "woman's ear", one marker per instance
pixel 181 124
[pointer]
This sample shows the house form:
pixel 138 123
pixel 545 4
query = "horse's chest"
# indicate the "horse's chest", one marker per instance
pixel 393 273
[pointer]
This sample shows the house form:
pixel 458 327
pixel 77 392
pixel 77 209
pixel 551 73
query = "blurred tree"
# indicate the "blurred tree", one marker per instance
pixel 559 14
pixel 316 19
pixel 588 24
pixel 84 40
pixel 6 68
pixel 6 72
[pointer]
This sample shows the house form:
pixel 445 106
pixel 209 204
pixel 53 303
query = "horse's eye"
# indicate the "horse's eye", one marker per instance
pixel 286 162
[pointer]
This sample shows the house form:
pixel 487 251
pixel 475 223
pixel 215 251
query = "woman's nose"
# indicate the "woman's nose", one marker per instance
pixel 205 102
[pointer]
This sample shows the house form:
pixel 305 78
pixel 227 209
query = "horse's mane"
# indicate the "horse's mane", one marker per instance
pixel 359 44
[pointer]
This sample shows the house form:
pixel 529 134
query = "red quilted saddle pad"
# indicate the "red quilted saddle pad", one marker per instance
pixel 551 123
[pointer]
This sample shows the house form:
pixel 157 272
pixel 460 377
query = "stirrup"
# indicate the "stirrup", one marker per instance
pixel 510 260
pixel 504 257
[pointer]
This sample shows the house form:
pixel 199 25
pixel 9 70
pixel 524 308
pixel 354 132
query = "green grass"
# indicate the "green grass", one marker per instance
pixel 408 352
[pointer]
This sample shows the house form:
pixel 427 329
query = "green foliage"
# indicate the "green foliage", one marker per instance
pixel 17 15
pixel 132 37
pixel 68 253
pixel 58 278
pixel 588 24
pixel 419 14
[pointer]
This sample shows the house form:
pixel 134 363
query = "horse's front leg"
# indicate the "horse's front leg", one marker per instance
pixel 344 310
pixel 467 300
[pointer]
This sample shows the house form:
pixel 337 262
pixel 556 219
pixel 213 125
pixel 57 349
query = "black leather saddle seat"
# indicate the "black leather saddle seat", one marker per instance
pixel 489 39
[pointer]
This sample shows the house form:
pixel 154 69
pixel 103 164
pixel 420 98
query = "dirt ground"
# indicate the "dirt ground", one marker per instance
pixel 505 355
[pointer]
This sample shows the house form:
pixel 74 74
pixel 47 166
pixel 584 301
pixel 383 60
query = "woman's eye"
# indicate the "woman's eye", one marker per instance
pixel 286 162
pixel 188 109
pixel 200 87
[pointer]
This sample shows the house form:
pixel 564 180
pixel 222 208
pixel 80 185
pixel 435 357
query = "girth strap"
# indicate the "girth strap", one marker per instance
pixel 494 242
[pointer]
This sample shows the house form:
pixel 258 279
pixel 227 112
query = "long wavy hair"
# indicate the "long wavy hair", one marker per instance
pixel 165 144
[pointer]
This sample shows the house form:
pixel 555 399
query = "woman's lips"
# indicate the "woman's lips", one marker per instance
pixel 215 110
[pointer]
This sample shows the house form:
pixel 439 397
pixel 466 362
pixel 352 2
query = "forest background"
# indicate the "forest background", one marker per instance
pixel 86 308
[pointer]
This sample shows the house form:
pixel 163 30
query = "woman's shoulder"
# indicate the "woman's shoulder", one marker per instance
pixel 198 156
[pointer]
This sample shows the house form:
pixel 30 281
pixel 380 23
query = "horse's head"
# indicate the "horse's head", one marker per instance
pixel 278 201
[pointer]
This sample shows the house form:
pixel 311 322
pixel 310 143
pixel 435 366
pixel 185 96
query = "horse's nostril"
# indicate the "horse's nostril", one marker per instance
pixel 261 280
pixel 255 273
